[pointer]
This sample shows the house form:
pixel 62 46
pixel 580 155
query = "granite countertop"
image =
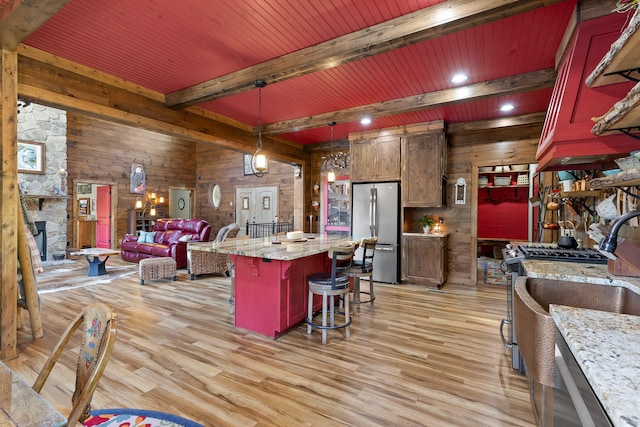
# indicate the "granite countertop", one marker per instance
pixel 605 345
pixel 607 349
pixel 264 247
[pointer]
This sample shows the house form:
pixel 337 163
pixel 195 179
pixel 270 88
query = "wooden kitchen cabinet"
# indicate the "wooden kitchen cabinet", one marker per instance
pixel 424 259
pixel 375 159
pixel 86 237
pixel 423 166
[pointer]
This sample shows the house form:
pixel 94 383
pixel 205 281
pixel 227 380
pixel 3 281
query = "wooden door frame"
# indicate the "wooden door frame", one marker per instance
pixel 474 222
pixel 74 213
pixel 194 214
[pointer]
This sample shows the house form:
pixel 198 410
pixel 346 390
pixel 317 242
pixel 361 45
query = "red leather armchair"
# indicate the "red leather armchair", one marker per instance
pixel 170 239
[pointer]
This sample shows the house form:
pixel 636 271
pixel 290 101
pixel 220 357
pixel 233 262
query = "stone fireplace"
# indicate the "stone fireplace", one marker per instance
pixel 46 194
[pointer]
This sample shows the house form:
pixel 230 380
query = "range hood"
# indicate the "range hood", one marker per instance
pixel 566 141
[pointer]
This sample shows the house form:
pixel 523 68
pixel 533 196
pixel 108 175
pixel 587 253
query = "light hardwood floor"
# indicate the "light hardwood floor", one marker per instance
pixel 422 358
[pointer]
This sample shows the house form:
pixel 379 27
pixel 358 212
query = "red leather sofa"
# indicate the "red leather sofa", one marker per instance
pixel 170 239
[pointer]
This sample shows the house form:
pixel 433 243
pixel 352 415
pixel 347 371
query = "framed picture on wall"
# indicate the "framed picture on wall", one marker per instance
pixel 31 157
pixel 84 208
pixel 137 179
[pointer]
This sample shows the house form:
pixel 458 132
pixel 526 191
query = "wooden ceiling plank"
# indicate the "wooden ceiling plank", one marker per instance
pixel 509 85
pixel 503 122
pixel 443 18
pixel 25 18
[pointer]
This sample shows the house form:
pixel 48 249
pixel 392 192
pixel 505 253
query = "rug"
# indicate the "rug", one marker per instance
pixel 136 418
pixel 73 274
pixel 490 271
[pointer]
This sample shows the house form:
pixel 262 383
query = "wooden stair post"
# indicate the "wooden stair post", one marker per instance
pixel 28 279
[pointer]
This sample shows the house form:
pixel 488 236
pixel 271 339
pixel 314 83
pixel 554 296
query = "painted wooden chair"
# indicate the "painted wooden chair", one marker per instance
pixel 98 325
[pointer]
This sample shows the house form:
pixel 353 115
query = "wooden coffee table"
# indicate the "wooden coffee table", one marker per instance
pixel 92 255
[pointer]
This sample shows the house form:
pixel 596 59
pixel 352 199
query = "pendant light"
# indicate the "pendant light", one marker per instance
pixel 331 176
pixel 259 161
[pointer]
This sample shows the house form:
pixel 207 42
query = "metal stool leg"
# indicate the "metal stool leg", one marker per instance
pixel 309 312
pixel 324 318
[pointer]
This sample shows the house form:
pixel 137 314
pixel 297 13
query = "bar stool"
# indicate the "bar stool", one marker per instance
pixel 362 266
pixel 330 285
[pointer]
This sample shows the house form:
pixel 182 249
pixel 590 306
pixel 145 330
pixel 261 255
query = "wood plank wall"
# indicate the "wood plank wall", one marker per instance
pixel 461 220
pixel 225 167
pixel 98 150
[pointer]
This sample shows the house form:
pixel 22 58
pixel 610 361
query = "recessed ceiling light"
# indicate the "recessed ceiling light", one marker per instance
pixel 365 121
pixel 507 107
pixel 459 78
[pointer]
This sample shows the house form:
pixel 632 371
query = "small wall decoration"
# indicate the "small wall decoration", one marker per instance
pixel 84 188
pixel 266 203
pixel 461 191
pixel 138 179
pixel 31 157
pixel 83 207
pixel 247 165
pixel 215 195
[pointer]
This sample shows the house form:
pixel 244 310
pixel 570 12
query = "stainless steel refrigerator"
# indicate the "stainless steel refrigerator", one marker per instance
pixel 376 212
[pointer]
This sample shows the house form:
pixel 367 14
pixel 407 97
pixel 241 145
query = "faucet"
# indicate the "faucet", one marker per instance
pixel 607 246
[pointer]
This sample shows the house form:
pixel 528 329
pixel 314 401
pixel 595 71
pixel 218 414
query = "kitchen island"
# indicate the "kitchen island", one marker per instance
pixel 271 278
pixel 605 345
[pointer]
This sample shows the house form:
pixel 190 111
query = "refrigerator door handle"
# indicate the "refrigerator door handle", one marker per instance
pixel 374 212
pixel 371 211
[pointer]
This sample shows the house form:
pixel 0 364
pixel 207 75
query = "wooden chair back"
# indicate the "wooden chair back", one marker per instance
pixel 363 261
pixel 341 259
pixel 98 325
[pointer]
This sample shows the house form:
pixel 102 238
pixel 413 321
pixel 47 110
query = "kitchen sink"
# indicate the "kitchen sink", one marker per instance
pixel 536 330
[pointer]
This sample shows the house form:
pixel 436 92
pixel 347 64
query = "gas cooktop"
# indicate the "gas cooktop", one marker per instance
pixel 584 255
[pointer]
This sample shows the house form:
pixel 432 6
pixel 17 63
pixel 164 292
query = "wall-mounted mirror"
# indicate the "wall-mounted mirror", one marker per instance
pixel 215 195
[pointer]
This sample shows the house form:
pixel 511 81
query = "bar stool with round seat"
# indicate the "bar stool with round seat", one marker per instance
pixel 329 285
pixel 362 266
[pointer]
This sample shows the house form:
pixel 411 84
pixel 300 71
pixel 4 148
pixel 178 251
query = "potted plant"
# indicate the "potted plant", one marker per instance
pixel 426 222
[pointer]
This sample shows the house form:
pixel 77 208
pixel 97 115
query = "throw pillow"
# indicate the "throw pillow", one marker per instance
pixel 185 238
pixel 149 238
pixel 142 237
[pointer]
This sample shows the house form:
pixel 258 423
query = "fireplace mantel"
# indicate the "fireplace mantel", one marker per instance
pixel 42 197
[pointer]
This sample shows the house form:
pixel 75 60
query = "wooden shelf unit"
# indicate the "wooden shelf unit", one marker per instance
pixel 628 178
pixel 620 63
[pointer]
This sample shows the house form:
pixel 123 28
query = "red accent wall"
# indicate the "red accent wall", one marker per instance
pixel 502 213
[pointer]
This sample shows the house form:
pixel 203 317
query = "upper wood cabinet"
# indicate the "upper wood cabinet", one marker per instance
pixel 375 159
pixel 423 167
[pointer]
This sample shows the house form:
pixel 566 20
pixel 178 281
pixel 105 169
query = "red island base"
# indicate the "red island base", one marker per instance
pixel 271 295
